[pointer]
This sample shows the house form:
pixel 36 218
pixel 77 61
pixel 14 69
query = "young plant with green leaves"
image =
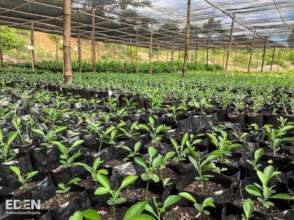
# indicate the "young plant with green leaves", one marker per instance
pixel 248 209
pixel 68 155
pixel 204 164
pixel 264 192
pixel 278 136
pixel 135 212
pixel 223 145
pixel 151 166
pixel 22 178
pixel 160 208
pixel 88 214
pixel 94 169
pixel 186 146
pixel 6 152
pixel 255 160
pixel 115 194
pixel 133 151
pixel 155 131
pixel 65 187
pixel 130 131
pixel 50 136
pixel 200 207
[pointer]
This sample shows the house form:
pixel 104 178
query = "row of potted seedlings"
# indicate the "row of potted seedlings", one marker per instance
pixel 87 158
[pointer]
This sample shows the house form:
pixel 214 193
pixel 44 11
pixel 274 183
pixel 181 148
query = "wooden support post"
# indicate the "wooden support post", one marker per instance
pixel 33 46
pixel 251 51
pixel 158 52
pixel 79 40
pixel 273 58
pixel 67 42
pixel 263 56
pixel 150 47
pixel 207 55
pixel 1 55
pixel 196 54
pixel 93 40
pixel 137 51
pixel 130 52
pixel 229 46
pixel 172 55
pixel 187 38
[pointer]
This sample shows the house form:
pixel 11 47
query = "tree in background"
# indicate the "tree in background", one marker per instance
pixel 57 40
pixel 9 40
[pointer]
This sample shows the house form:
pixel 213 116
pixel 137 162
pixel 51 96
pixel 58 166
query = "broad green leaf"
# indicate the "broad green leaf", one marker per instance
pixel 152 151
pixel 78 215
pixel 128 180
pixel 157 161
pixel 283 196
pixel 208 202
pixel 11 137
pixel 258 154
pixel 171 200
pixel 140 161
pixel 253 190
pixel 91 214
pixel 32 174
pixel 38 131
pixel 101 191
pixel 77 143
pixel 188 196
pixel 248 208
pixel 15 170
pixel 149 208
pixel 135 210
pixel 103 181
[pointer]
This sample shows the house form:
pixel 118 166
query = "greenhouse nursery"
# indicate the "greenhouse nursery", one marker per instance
pixel 146 109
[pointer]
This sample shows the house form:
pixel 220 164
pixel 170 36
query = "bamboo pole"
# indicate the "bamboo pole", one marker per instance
pixel 93 40
pixel 172 55
pixel 251 52
pixel 150 47
pixel 263 56
pixel 33 46
pixel 273 58
pixel 229 46
pixel 79 41
pixel 187 39
pixel 67 42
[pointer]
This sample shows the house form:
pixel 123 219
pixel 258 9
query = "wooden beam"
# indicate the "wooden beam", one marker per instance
pixel 196 54
pixel 150 47
pixel 137 50
pixel 172 54
pixel 263 56
pixel 229 46
pixel 251 51
pixel 67 42
pixel 33 46
pixel 79 41
pixel 273 58
pixel 93 40
pixel 187 38
pixel 207 55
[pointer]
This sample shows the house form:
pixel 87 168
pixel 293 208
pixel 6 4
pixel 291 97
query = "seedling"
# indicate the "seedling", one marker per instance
pixel 50 136
pixel 133 152
pixel 255 161
pixel 248 209
pixel 160 209
pixel 6 153
pixel 130 131
pixel 151 168
pixel 68 155
pixel 203 164
pixel 135 212
pixel 201 207
pixel 155 132
pixel 94 169
pixel 65 187
pixel 115 194
pixel 223 145
pixel 23 179
pixel 264 192
pixel 88 214
pixel 277 137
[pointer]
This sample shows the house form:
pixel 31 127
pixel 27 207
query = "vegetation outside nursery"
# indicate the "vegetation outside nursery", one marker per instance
pixel 136 115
